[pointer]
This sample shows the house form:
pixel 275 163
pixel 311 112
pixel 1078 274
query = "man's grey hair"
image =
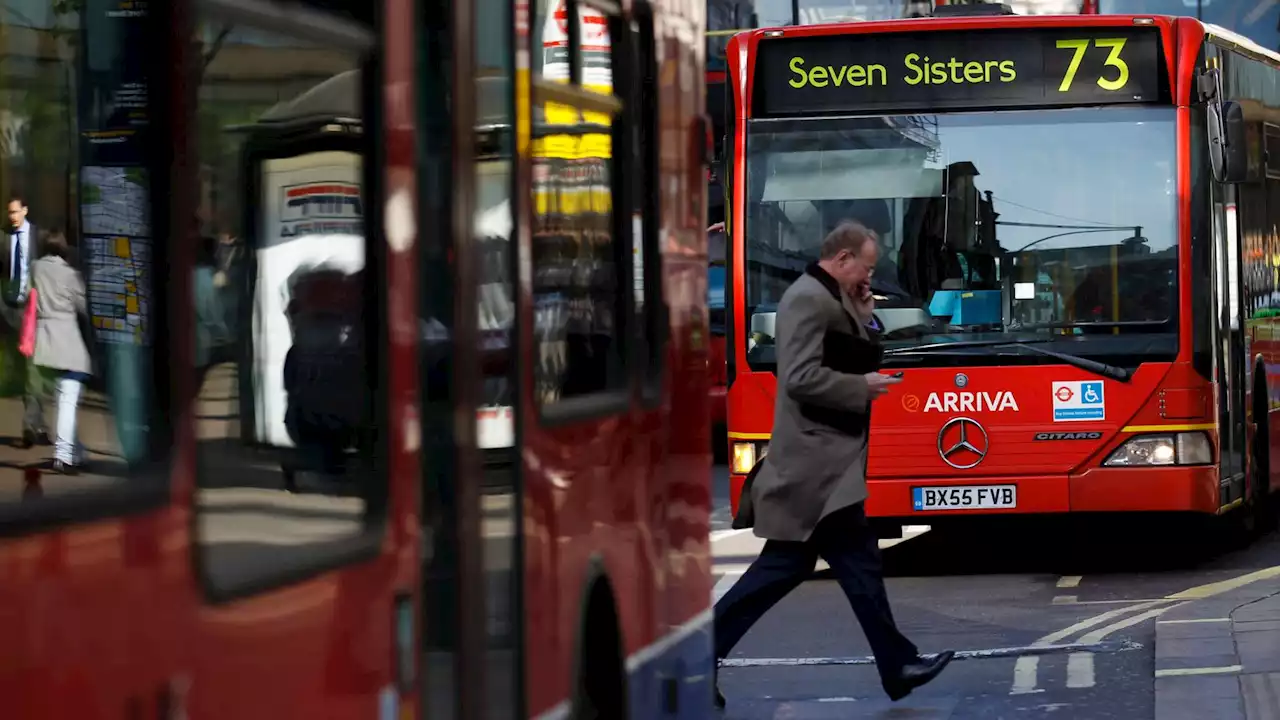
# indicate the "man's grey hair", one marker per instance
pixel 849 235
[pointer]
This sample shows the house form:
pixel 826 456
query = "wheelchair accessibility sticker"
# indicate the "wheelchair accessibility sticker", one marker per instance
pixel 1078 401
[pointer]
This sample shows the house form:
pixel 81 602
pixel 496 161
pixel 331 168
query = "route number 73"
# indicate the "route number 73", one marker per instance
pixel 1116 45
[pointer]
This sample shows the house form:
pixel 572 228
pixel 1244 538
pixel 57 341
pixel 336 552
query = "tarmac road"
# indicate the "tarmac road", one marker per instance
pixel 1056 620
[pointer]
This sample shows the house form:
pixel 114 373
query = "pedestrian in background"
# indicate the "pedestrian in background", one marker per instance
pixel 806 498
pixel 60 303
pixel 15 287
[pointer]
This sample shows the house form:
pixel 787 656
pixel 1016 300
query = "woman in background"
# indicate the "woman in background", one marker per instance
pixel 60 302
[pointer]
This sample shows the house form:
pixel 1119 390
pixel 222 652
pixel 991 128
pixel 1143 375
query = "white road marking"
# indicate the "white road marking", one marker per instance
pixel 1024 651
pixel 1080 670
pixel 1192 621
pixel 717 535
pixel 1066 600
pixel 1130 601
pixel 1024 675
pixel 1180 672
pixel 1025 669
pixel 1100 634
pixel 1069 581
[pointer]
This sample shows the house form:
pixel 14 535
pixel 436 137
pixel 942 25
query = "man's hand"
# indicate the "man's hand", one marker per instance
pixel 879 384
pixel 864 302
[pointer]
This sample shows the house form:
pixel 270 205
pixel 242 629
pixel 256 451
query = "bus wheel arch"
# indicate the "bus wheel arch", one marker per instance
pixel 599 690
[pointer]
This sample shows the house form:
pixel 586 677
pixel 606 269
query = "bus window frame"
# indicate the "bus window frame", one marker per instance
pixel 617 399
pixel 311 560
pixel 148 487
pixel 654 317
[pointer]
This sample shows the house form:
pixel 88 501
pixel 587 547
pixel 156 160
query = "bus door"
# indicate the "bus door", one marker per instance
pixel 1229 349
pixel 304 575
pixel 466 328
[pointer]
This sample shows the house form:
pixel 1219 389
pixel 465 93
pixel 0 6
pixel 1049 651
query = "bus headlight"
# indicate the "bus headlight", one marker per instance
pixel 744 454
pixel 1187 448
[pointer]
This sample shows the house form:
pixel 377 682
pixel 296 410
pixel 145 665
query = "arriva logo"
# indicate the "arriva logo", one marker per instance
pixel 956 402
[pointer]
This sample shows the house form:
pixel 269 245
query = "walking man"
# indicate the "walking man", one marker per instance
pixel 807 498
pixel 15 286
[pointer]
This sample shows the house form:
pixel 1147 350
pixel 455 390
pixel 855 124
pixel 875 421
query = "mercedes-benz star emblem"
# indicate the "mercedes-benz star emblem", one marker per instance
pixel 961 380
pixel 961 438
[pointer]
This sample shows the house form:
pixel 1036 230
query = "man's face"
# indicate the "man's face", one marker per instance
pixel 853 270
pixel 17 213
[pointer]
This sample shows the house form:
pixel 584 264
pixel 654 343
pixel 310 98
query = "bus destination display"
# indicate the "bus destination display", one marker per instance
pixel 950 70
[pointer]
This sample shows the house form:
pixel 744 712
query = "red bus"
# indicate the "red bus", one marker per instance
pixel 398 335
pixel 1078 296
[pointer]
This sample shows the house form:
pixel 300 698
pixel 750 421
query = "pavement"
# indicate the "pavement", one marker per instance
pixel 1220 657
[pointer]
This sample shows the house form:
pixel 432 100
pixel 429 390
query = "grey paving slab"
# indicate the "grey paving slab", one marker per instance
pixel 1250 639
pixel 1261 696
pixel 1265 609
pixel 1213 686
pixel 1183 631
pixel 1203 661
pixel 1199 698
pixel 1195 646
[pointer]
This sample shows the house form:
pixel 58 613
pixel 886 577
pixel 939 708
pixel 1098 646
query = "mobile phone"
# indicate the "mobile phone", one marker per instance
pixel 897 374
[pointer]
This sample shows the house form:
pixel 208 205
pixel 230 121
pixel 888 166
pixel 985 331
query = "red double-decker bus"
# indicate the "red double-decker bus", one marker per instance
pixel 1074 278
pixel 396 322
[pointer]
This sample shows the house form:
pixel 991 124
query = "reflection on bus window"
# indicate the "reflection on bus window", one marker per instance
pixel 978 239
pixel 284 411
pixel 577 295
pixel 81 400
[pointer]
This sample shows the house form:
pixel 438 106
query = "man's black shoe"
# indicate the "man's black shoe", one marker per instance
pixel 916 674
pixel 719 698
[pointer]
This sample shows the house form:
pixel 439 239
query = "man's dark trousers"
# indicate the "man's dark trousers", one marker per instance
pixel 847 543
pixel 33 381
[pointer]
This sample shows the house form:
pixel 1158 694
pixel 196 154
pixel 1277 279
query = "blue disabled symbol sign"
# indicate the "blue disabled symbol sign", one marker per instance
pixel 1078 400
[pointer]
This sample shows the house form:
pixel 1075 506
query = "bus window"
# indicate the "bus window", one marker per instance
pixel 85 405
pixel 285 432
pixel 579 262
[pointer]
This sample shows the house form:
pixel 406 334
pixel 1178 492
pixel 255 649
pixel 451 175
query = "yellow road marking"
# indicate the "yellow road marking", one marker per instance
pixel 1179 672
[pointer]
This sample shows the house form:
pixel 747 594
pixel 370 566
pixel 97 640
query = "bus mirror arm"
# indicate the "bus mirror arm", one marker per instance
pixel 1228 142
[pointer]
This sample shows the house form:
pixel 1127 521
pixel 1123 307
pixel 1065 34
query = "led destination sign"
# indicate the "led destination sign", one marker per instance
pixel 973 69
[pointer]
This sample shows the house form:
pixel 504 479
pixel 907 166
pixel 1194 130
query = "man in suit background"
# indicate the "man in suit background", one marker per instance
pixel 15 287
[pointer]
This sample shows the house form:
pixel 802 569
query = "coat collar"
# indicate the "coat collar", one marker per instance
pixel 815 271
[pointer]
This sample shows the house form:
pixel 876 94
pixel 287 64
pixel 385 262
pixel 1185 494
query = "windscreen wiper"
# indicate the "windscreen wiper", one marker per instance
pixel 1098 368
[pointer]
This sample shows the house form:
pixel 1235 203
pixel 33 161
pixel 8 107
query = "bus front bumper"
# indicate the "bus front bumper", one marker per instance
pixel 1163 489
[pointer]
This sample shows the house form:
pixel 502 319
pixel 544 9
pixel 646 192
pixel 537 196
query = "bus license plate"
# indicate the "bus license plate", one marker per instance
pixel 965 497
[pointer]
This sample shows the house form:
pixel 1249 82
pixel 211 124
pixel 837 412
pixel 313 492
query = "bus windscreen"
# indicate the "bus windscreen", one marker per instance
pixel 952 70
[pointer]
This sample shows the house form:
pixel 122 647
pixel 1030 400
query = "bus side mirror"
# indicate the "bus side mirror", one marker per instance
pixel 1228 144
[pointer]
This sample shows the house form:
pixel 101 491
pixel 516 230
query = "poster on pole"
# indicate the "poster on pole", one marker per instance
pixel 311 220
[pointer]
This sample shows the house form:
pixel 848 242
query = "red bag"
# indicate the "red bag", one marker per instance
pixel 27 343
